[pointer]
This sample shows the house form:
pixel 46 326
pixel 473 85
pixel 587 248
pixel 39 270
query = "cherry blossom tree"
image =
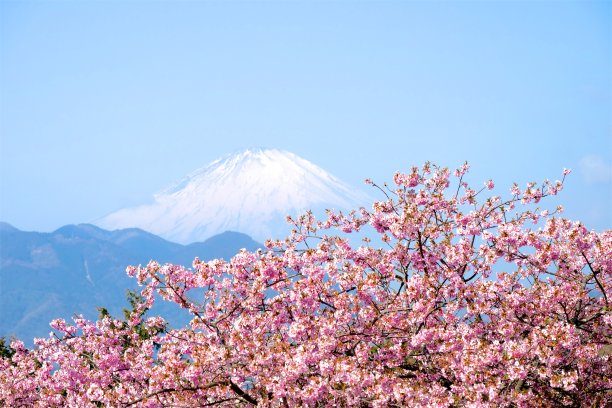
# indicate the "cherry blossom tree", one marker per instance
pixel 451 298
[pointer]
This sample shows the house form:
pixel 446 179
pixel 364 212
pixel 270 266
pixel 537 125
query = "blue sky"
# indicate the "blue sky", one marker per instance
pixel 103 103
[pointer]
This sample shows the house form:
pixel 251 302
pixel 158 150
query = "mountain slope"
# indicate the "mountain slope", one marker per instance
pixel 80 267
pixel 251 191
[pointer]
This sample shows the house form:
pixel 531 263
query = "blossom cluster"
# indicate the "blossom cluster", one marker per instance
pixel 449 300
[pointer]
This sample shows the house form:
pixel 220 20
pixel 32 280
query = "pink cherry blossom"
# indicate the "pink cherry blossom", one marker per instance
pixel 452 299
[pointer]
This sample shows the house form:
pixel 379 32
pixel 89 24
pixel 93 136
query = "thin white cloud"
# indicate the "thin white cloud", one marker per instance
pixel 595 169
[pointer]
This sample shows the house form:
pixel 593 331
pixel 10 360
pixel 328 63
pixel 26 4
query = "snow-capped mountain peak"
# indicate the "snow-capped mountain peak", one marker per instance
pixel 249 191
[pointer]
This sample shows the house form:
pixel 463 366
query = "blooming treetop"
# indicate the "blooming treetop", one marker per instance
pixel 464 301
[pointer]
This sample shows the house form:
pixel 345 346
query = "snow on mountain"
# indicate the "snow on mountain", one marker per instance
pixel 251 191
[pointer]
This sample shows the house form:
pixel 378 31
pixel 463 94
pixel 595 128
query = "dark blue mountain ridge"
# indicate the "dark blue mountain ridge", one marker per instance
pixel 77 268
pixel 6 226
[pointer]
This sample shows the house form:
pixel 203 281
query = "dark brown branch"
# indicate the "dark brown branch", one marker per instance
pixel 242 394
pixel 595 273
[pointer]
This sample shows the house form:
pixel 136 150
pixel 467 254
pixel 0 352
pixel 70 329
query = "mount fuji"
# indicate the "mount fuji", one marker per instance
pixel 250 191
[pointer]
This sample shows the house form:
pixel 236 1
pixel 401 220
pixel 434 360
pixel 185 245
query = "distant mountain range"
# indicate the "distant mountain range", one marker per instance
pixel 80 267
pixel 250 191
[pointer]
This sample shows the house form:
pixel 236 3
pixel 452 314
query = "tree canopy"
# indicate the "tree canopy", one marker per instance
pixel 450 297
